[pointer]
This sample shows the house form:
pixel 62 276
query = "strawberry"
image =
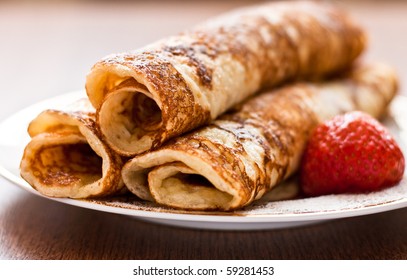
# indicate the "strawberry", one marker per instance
pixel 350 153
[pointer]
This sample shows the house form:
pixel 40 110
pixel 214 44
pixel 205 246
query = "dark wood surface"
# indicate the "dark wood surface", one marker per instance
pixel 32 227
pixel 50 52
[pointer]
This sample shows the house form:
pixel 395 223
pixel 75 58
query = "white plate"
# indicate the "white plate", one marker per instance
pixel 260 215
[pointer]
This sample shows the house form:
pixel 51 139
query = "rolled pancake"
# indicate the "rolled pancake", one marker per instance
pixel 245 153
pixel 148 96
pixel 66 157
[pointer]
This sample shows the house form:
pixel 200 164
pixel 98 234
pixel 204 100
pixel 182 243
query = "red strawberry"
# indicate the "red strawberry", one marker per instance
pixel 350 153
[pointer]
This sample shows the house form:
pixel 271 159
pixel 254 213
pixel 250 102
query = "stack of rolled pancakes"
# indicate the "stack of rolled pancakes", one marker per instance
pixel 213 118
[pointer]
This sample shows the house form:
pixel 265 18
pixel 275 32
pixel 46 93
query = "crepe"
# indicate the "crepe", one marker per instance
pixel 147 96
pixel 66 157
pixel 244 154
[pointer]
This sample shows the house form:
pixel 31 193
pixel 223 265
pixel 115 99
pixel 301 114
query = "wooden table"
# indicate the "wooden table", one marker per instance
pixel 47 49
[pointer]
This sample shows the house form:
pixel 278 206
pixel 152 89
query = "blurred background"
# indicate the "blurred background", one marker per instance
pixel 48 47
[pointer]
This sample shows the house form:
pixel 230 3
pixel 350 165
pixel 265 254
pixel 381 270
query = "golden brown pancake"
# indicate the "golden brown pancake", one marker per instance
pixel 147 96
pixel 242 155
pixel 66 157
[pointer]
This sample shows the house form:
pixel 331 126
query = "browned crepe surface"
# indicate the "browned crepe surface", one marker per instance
pixel 66 157
pixel 147 96
pixel 244 154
